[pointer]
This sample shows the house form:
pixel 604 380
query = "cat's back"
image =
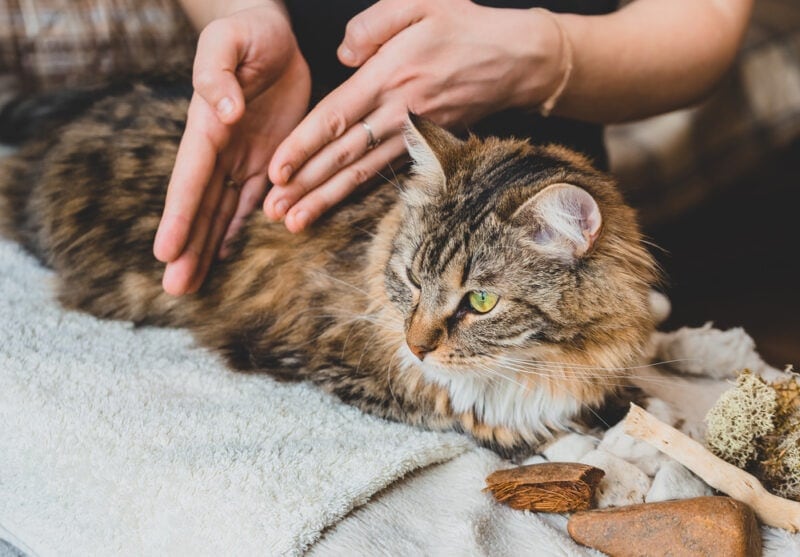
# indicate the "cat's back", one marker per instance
pixel 86 189
pixel 87 197
pixel 106 153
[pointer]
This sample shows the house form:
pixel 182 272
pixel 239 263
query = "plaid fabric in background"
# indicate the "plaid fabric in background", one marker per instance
pixel 673 162
pixel 666 164
pixel 46 44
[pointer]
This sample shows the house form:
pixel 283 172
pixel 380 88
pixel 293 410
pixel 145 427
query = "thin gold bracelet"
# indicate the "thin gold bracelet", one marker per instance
pixel 566 63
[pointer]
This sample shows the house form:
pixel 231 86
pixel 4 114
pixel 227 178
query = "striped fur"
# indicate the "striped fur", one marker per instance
pixel 336 305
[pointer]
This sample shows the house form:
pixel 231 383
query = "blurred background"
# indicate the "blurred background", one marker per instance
pixel 717 185
pixel 718 190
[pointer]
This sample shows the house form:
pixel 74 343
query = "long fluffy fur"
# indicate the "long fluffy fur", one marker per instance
pixel 334 305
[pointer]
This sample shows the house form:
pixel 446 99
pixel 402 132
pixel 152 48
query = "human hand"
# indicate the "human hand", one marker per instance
pixel 451 61
pixel 252 86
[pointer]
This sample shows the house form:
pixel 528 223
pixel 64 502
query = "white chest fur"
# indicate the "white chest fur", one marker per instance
pixel 499 399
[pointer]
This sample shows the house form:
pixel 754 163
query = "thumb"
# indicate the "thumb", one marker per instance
pixel 219 51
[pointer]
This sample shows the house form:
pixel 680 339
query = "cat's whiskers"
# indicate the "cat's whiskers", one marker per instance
pixel 652 244
pixel 596 415
pixel 368 298
pixel 373 315
pixel 342 282
pixel 551 370
pixel 590 367
pixel 389 368
pixel 351 322
pixel 365 231
pixel 383 323
pixel 496 374
pixel 367 344
pixel 336 313
pixel 395 182
pixel 583 374
pixel 548 373
pixel 583 404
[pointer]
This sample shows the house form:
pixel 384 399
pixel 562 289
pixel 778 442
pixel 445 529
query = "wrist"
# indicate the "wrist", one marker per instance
pixel 225 9
pixel 203 12
pixel 565 67
pixel 546 63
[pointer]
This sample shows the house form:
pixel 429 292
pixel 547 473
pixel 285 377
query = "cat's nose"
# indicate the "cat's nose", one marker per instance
pixel 419 350
pixel 424 336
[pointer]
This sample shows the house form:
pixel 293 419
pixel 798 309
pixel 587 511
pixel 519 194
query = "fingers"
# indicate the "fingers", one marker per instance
pixel 373 27
pixel 329 119
pixel 180 273
pixel 251 195
pixel 226 209
pixel 194 166
pixel 332 158
pixel 214 74
pixel 313 204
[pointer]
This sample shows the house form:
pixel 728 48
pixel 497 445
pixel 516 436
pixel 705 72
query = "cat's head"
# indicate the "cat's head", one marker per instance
pixel 517 260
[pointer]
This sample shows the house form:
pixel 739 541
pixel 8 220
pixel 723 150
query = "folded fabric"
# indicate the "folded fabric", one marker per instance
pixel 133 441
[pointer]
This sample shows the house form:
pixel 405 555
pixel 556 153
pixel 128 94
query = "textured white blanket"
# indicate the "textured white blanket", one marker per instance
pixel 442 511
pixel 125 441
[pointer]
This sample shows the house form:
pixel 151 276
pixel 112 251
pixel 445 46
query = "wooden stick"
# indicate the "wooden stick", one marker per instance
pixel 725 477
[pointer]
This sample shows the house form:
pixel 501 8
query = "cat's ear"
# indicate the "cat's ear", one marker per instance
pixel 562 219
pixel 432 149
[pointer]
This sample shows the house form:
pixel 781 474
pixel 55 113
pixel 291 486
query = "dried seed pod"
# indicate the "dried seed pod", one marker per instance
pixel 554 487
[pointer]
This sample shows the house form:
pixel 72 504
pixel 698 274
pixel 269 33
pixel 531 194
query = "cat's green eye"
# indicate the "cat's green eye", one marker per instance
pixel 411 278
pixel 482 301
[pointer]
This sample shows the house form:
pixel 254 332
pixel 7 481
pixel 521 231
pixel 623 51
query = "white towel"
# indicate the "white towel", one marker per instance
pixel 132 441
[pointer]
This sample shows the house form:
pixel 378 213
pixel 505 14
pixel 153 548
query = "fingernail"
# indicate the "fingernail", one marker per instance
pixel 346 55
pixel 280 208
pixel 157 243
pixel 286 172
pixel 225 106
pixel 301 219
pixel 162 252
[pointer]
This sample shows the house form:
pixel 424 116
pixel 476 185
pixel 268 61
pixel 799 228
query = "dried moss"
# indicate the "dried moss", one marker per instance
pixel 780 463
pixel 756 426
pixel 781 472
pixel 740 418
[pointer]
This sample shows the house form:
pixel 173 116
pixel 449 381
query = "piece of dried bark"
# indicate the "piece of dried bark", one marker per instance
pixel 553 487
pixel 700 527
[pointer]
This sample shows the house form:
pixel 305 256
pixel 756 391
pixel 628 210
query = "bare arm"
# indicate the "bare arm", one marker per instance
pixel 649 57
pixel 450 60
pixel 455 62
pixel 203 12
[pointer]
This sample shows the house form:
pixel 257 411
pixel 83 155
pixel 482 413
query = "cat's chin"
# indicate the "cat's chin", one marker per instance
pixel 438 373
pixel 499 400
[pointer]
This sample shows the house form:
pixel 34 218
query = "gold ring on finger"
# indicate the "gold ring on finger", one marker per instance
pixel 371 141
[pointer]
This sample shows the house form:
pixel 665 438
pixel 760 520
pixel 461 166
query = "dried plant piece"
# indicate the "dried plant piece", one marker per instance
pixel 727 478
pixel 553 487
pixel 781 471
pixel 740 418
pixel 779 453
pixel 700 527
pixel 756 426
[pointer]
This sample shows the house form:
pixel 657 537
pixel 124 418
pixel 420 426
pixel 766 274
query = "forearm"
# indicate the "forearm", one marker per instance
pixel 650 57
pixel 203 12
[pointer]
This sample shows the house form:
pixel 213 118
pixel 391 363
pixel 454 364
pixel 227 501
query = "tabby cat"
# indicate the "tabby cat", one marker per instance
pixel 499 289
